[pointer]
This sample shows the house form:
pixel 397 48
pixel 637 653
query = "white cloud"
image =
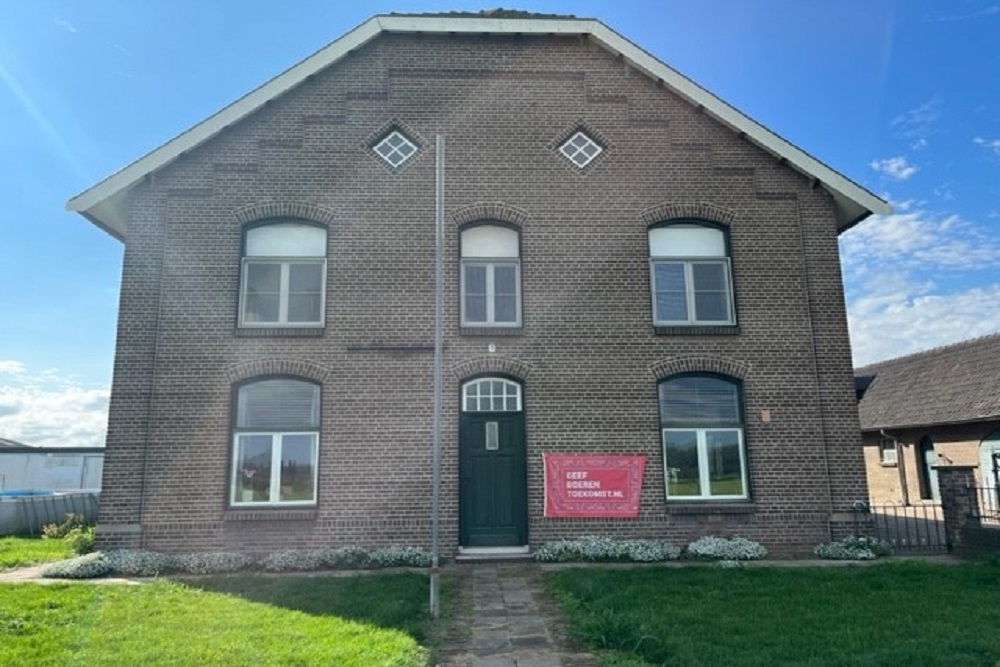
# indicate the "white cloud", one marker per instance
pixel 63 23
pixel 991 10
pixel 911 318
pixel 916 124
pixel 896 168
pixel 991 144
pixel 914 280
pixel 50 409
pixel 918 240
pixel 11 367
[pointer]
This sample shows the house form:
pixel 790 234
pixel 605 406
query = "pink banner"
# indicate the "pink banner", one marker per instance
pixel 592 485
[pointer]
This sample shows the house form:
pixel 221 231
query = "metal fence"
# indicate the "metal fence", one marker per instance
pixel 25 515
pixel 911 528
pixel 986 504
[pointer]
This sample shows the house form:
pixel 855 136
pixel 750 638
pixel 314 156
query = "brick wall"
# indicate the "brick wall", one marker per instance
pixel 587 353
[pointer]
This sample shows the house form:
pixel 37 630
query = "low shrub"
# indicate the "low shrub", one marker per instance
pixel 143 563
pixel 139 562
pixel 80 540
pixel 398 556
pixel 82 567
pixel 340 558
pixel 212 563
pixel 594 549
pixel 854 548
pixel 711 547
pixel 58 531
pixel 292 559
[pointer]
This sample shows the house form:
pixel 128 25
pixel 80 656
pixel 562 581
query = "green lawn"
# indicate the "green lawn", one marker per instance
pixel 20 551
pixel 881 616
pixel 362 621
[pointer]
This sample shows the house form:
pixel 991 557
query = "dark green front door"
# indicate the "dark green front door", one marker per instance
pixel 493 487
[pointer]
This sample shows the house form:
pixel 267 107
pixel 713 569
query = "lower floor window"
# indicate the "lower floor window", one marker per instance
pixel 275 468
pixel 704 463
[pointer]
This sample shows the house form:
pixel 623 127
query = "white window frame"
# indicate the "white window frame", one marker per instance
pixel 490 245
pixel 509 389
pixel 490 265
pixel 395 150
pixel 704 476
pixel 285 262
pixel 571 150
pixel 274 489
pixel 689 291
pixel 696 243
pixel 284 291
pixel 888 451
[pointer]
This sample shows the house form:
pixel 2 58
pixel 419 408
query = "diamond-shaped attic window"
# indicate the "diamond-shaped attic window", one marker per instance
pixel 395 149
pixel 580 149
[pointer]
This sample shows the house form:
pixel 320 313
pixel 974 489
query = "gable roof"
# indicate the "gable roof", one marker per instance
pixel 104 203
pixel 947 385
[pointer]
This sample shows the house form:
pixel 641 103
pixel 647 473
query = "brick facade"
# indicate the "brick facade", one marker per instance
pixel 587 353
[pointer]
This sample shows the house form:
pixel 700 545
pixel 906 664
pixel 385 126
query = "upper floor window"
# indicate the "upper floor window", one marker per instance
pixel 691 282
pixel 284 275
pixel 275 442
pixel 704 456
pixel 491 277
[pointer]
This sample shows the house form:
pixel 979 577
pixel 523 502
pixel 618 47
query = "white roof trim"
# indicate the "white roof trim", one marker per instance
pixel 104 203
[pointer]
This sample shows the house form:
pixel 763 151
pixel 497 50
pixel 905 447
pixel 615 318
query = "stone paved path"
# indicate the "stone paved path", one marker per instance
pixel 506 618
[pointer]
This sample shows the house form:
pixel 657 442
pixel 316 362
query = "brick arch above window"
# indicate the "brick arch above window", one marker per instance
pixel 700 210
pixel 489 211
pixel 285 209
pixel 264 367
pixel 699 364
pixel 491 365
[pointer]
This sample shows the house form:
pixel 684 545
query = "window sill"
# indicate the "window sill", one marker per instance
pixel 491 331
pixel 280 332
pixel 711 507
pixel 885 464
pixel 271 514
pixel 697 330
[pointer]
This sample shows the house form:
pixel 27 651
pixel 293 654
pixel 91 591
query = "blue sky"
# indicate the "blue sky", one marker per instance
pixel 901 97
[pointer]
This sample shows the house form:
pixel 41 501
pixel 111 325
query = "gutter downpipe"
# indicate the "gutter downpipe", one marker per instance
pixel 435 601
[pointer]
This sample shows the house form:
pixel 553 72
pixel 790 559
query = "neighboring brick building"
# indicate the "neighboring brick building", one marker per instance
pixel 940 406
pixel 274 365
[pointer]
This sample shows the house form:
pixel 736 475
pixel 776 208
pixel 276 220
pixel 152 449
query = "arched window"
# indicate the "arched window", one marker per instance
pixel 491 395
pixel 704 456
pixel 690 277
pixel 283 275
pixel 491 277
pixel 275 442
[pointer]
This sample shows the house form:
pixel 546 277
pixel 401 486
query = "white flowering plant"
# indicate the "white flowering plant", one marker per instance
pixel 593 549
pixel 854 548
pixel 398 556
pixel 223 562
pixel 82 567
pixel 711 547
pixel 140 563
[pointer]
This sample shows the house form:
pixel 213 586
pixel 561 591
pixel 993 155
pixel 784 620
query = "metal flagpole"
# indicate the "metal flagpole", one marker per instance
pixel 438 333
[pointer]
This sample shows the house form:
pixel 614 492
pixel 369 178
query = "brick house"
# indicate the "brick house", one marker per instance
pixel 631 267
pixel 940 406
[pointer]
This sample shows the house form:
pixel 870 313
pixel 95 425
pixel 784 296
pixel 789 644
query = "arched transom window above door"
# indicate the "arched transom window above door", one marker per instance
pixel 491 395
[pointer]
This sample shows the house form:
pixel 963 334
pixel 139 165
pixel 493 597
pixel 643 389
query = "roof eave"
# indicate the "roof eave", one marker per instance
pixel 852 203
pixel 949 422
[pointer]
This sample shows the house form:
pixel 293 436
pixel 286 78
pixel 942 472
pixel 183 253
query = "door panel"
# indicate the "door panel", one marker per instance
pixel 493 487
